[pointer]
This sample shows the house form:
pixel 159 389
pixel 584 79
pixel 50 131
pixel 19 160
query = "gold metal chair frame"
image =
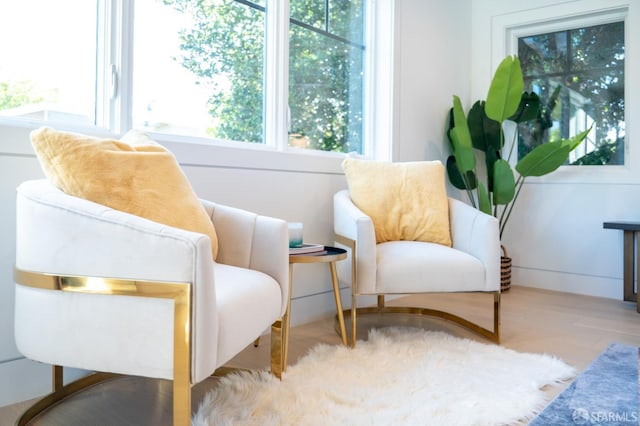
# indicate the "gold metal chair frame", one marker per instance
pixel 492 335
pixel 181 295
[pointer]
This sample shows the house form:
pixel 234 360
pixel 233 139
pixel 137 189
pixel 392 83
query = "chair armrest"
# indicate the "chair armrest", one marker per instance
pixel 477 234
pixel 253 241
pixel 62 234
pixel 350 222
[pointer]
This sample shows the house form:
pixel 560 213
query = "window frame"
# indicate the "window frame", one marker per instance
pixel 508 28
pixel 568 67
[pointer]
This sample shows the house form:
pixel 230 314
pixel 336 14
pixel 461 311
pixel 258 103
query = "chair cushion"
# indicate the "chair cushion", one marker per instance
pixel 241 318
pixel 418 267
pixel 405 201
pixel 135 175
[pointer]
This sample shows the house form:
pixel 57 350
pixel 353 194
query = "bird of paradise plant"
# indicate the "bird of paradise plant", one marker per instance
pixel 483 132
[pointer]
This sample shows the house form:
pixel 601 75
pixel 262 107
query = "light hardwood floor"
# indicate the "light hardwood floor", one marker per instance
pixel 572 327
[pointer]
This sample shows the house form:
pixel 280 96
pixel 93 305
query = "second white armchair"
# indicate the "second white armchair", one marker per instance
pixel 471 264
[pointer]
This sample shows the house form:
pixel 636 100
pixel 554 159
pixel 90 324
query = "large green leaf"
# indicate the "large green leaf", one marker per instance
pixel 485 133
pixel 528 109
pixel 544 159
pixel 461 139
pixel 505 91
pixel 504 184
pixel 451 126
pixel 575 141
pixel 490 158
pixel 484 204
pixel 456 178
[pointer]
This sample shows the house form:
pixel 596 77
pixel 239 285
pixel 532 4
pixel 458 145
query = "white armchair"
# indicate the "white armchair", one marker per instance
pixel 107 291
pixel 472 264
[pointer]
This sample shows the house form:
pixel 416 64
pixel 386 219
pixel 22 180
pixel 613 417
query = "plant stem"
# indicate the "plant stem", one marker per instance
pixel 469 192
pixel 471 198
pixel 503 219
pixel 513 143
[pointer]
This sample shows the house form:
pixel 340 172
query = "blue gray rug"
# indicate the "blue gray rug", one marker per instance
pixel 606 393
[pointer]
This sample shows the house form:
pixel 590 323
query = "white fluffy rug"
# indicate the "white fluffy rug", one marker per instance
pixel 399 376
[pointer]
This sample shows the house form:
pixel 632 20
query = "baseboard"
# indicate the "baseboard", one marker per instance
pixel 588 285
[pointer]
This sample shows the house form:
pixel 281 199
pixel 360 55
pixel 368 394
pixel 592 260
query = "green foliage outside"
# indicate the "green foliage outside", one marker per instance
pixel 15 94
pixel 582 69
pixel 225 49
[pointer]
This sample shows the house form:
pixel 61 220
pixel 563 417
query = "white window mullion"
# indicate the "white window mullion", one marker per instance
pixel 103 64
pixel 114 65
pixel 124 65
pixel 276 112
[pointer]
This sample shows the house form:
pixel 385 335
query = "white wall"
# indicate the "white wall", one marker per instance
pixel 555 234
pixel 433 57
pixel 432 63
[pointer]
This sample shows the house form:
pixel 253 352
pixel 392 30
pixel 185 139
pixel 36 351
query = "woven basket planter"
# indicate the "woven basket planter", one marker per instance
pixel 505 270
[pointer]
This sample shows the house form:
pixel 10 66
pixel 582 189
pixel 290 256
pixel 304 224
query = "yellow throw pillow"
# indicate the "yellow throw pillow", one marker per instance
pixel 405 201
pixel 135 175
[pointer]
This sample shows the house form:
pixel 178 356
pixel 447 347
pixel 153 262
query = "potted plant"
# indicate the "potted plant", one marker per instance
pixel 484 132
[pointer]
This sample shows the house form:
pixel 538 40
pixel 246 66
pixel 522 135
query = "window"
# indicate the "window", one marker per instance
pixel 49 61
pixel 199 68
pixel 190 67
pixel 326 57
pixel 579 76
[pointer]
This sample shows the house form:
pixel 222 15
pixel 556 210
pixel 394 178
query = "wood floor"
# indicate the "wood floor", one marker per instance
pixel 574 328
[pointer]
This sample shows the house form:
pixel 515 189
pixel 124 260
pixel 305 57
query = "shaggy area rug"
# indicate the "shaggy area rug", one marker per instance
pixel 399 376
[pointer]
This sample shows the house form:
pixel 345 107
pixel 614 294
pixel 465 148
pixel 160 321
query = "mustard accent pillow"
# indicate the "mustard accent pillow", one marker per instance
pixel 135 175
pixel 405 201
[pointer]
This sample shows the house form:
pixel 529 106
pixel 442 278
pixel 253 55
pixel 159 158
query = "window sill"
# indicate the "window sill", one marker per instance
pixel 195 152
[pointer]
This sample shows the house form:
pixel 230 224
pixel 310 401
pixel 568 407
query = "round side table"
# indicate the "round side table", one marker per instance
pixel 329 255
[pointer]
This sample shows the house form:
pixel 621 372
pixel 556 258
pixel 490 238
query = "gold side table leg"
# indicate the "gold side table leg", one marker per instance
pixel 354 312
pixel 336 293
pixel 287 322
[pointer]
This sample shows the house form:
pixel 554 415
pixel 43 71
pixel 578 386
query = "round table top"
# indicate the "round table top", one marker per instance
pixel 329 254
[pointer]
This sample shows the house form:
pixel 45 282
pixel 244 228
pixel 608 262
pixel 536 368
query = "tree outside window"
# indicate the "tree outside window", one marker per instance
pixel 579 76
pixel 190 68
pixel 326 63
pixel 224 50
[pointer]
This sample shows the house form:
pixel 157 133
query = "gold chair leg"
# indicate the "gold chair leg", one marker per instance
pixel 181 403
pixel 182 356
pixel 57 378
pixel 277 348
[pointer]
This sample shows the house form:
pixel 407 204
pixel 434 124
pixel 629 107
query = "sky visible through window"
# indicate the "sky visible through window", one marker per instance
pixel 52 50
pixel 165 94
pixel 51 54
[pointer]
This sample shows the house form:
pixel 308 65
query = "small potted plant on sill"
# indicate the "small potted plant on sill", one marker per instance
pixel 484 132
